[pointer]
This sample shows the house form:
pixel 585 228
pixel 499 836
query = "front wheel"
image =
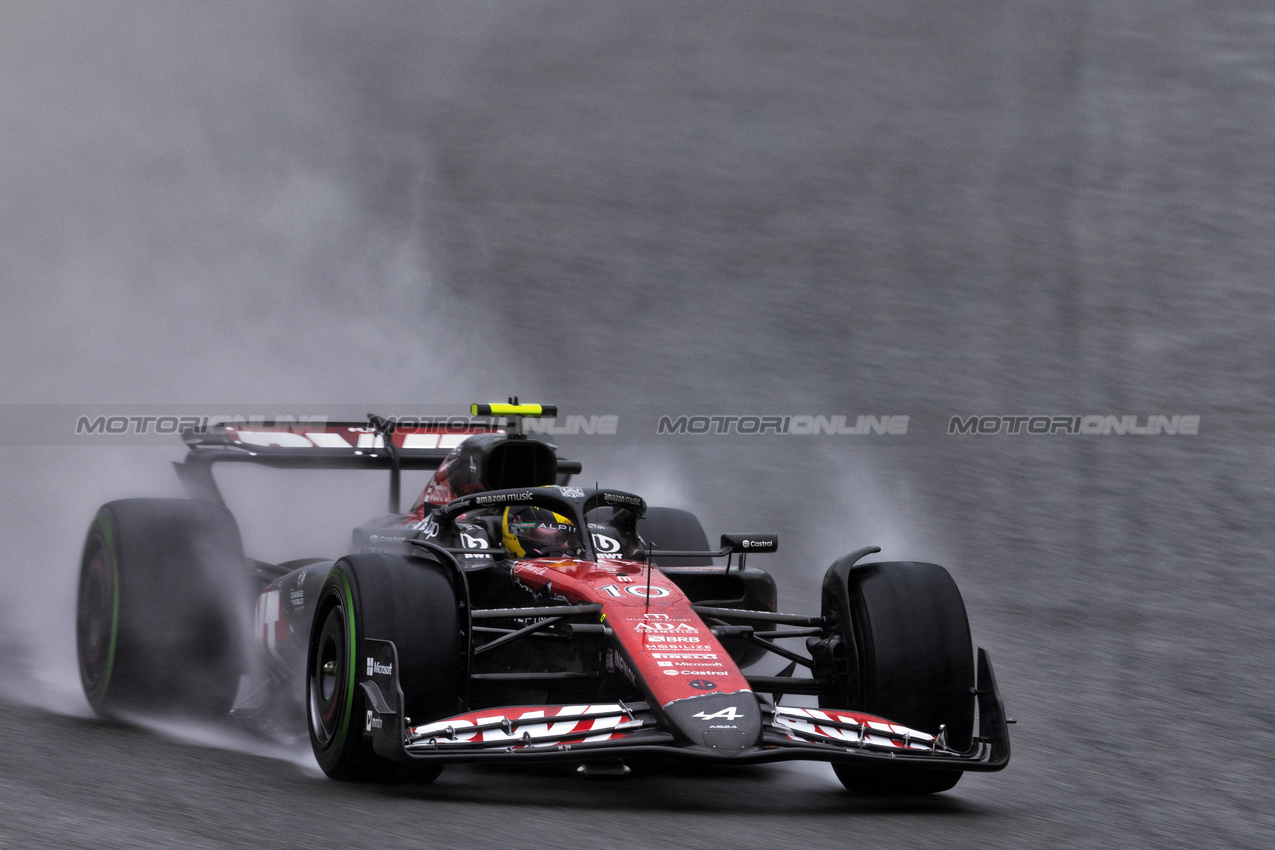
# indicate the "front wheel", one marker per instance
pixel 407 601
pixel 901 651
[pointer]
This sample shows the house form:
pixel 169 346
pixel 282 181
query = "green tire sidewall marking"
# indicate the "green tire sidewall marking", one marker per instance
pixel 109 539
pixel 338 737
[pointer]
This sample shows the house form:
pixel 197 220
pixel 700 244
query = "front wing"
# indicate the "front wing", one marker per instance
pixel 617 730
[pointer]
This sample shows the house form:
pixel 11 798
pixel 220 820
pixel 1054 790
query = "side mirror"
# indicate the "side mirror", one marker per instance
pixel 745 544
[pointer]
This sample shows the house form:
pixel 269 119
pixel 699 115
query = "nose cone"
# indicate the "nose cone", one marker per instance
pixel 718 721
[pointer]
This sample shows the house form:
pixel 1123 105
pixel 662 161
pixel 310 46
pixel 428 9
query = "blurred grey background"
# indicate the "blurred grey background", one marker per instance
pixel 910 208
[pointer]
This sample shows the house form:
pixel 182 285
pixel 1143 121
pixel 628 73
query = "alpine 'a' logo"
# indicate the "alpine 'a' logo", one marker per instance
pixel 725 714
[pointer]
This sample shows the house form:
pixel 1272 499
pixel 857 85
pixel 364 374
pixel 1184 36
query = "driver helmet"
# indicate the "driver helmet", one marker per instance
pixel 531 532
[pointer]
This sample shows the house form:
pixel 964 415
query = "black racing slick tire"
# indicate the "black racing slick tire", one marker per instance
pixel 163 609
pixel 904 654
pixel 408 601
pixel 672 528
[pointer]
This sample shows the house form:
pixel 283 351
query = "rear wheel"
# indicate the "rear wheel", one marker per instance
pixel 162 610
pixel 408 601
pixel 902 651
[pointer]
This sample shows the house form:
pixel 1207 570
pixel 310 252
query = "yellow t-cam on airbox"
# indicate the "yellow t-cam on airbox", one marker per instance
pixel 533 410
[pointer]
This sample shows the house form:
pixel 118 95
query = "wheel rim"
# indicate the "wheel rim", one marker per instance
pixel 327 675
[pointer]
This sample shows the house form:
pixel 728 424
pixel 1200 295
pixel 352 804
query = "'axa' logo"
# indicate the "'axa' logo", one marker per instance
pixel 664 627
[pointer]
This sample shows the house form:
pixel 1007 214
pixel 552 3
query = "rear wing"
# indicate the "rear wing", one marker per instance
pixel 375 444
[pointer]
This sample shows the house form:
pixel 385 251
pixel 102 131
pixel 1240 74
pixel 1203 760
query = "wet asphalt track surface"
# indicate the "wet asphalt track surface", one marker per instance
pixel 910 208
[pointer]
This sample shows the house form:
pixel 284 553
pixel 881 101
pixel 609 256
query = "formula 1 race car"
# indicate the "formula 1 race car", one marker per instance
pixel 512 617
